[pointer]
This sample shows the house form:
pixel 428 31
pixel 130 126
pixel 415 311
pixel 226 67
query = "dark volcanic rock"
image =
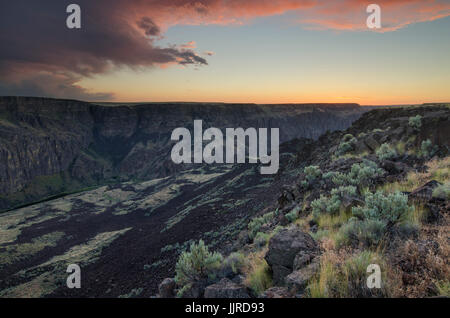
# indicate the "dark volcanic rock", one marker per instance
pixel 196 290
pixel 167 288
pixel 283 248
pixel 394 167
pixel 425 192
pixel 226 289
pixel 297 281
pixel 371 143
pixel 276 292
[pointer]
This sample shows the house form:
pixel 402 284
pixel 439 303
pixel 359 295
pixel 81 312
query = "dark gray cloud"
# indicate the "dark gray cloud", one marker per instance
pixel 41 56
pixel 51 85
pixel 37 45
pixel 149 27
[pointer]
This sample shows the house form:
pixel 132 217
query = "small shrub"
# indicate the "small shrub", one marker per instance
pixel 442 191
pixel 341 276
pixel 197 264
pixel 364 173
pixel 320 234
pixel 415 122
pixel 376 218
pixel 340 178
pixel 312 173
pixel 328 175
pixel 400 147
pixel 427 150
pixel 406 230
pixel 236 261
pixel 331 205
pixel 326 284
pixel 346 145
pixel 367 232
pixel 360 175
pixel 255 225
pixel 261 239
pixel 293 215
pixel 391 208
pixel 386 152
pixel 355 274
pixel 344 191
pixel 259 278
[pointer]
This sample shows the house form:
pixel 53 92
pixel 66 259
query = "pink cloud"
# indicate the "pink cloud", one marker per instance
pixel 189 45
pixel 36 49
pixel 338 14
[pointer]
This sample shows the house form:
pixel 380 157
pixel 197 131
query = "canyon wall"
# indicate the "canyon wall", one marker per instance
pixel 50 146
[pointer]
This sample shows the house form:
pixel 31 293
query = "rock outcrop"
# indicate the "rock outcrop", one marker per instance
pixel 167 288
pixel 226 289
pixel 284 247
pixel 297 281
pixel 276 292
pixel 50 146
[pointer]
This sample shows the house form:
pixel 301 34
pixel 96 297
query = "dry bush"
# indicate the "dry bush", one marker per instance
pixel 343 273
pixel 257 272
pixel 425 263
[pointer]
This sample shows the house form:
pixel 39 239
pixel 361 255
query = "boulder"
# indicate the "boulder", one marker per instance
pixel 276 292
pixel 301 260
pixel 371 143
pixel 225 288
pixel 360 146
pixel 398 133
pixel 424 192
pixel 394 167
pixel 286 197
pixel 437 208
pixel 279 273
pixel 167 288
pixel 297 281
pixel 196 290
pixel 284 247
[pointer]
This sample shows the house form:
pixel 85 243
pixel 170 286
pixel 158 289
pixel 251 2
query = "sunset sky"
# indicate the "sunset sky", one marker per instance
pixel 227 51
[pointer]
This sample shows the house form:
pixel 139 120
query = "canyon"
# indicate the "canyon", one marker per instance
pixel 51 147
pixel 94 185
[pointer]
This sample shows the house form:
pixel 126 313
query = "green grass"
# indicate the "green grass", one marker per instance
pixel 342 276
pixel 18 252
pixel 443 288
pixel 438 170
pixel 330 221
pixel 257 273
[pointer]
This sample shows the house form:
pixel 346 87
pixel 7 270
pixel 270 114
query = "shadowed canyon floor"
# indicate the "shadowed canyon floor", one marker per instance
pixel 137 228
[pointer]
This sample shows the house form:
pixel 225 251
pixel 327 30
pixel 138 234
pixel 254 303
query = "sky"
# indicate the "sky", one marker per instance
pixel 254 51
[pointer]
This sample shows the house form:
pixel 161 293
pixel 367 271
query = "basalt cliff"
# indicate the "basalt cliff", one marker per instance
pixel 50 147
